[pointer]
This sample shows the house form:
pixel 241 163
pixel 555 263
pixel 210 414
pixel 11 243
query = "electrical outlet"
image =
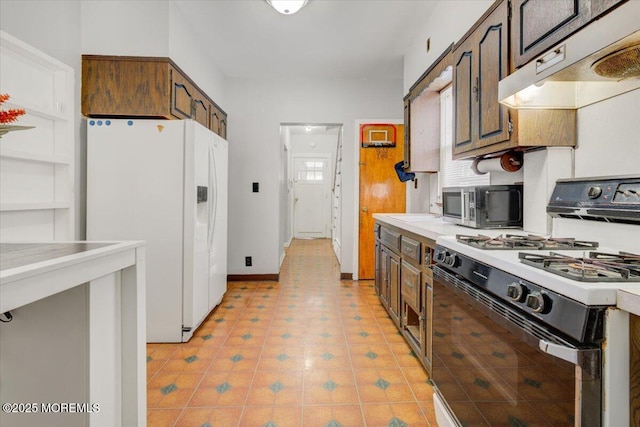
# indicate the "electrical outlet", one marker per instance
pixel 256 187
pixel 247 261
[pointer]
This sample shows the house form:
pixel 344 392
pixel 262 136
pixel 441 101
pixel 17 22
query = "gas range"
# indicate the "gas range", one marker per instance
pixel 556 295
pixel 596 291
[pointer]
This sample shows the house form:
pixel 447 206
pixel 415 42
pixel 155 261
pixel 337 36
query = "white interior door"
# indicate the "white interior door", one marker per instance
pixel 311 203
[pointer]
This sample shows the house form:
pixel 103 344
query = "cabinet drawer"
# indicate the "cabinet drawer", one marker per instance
pixel 390 238
pixel 410 249
pixel 410 285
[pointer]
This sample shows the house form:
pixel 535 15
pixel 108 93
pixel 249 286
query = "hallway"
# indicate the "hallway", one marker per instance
pixel 309 350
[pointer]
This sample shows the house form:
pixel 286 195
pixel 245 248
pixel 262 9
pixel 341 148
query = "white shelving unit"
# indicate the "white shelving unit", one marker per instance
pixel 36 165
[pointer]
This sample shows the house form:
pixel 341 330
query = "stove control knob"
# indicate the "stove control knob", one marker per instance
pixel 515 291
pixel 594 192
pixel 451 260
pixel 439 256
pixel 535 301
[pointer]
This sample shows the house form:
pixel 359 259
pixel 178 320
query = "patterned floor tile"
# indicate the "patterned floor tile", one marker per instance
pixel 309 350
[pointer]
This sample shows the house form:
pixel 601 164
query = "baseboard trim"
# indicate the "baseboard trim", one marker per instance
pixel 346 276
pixel 253 277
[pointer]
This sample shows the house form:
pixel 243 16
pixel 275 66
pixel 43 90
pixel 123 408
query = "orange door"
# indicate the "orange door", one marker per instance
pixel 380 192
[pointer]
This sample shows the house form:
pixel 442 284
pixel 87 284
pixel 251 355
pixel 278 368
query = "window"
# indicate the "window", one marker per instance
pixel 453 172
pixel 310 170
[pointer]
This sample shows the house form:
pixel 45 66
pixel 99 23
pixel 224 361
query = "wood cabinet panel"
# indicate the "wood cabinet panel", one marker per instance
pixel 182 95
pixel 151 87
pixel 394 287
pixel 463 90
pixel 493 118
pixel 538 25
pixel 112 87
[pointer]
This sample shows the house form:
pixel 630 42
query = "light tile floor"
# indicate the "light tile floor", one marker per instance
pixel 309 350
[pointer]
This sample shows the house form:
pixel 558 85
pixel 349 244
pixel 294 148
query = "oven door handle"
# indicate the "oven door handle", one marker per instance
pixel 560 351
pixel 588 359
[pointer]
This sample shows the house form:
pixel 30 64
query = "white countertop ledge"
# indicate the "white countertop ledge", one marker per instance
pixel 23 283
pixel 629 300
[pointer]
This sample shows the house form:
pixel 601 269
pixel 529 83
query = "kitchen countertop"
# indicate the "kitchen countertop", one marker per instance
pixel 433 226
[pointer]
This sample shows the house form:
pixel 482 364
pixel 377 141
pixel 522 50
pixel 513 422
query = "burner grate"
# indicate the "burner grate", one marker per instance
pixel 517 241
pixel 598 267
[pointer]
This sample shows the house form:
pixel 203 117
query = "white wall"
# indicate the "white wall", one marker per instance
pixel 609 137
pixel 450 20
pixel 257 108
pixel 302 143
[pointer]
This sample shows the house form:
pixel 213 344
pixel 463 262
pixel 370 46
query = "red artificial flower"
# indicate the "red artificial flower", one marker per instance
pixel 10 115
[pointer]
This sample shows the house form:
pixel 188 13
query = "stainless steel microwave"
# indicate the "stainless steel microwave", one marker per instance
pixel 488 206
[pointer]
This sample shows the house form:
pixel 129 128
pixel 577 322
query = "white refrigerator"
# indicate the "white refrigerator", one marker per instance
pixel 165 182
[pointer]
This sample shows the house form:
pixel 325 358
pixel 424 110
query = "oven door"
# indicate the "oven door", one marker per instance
pixel 493 365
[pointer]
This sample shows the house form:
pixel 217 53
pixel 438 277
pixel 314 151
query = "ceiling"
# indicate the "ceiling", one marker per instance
pixel 362 39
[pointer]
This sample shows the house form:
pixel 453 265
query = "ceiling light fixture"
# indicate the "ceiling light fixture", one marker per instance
pixel 287 7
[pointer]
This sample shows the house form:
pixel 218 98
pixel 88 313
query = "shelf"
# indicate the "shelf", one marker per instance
pixel 35 110
pixel 34 157
pixel 6 207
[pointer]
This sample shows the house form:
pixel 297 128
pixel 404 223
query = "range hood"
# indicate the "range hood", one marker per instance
pixel 564 76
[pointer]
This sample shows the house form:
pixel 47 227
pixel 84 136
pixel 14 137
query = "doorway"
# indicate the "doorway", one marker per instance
pixel 310 151
pixel 311 196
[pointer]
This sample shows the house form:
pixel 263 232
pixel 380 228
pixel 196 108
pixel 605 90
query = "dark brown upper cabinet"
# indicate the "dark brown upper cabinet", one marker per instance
pixel 483 126
pixel 146 87
pixel 537 25
pixel 480 60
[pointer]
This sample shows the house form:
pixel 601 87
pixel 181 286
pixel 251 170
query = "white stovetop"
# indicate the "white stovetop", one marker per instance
pixel 591 293
pixel 617 236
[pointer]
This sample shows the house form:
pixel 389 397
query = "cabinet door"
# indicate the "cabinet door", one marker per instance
pixel 538 24
pixel 384 277
pixel 214 123
pixel 394 288
pixel 464 92
pixel 200 111
pixel 492 65
pixel 480 62
pixel 181 96
pixel 223 127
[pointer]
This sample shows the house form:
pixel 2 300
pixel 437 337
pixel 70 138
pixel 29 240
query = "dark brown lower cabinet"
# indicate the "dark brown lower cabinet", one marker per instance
pixel 403 282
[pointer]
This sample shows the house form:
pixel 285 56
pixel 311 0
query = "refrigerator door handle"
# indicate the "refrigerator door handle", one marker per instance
pixel 212 196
